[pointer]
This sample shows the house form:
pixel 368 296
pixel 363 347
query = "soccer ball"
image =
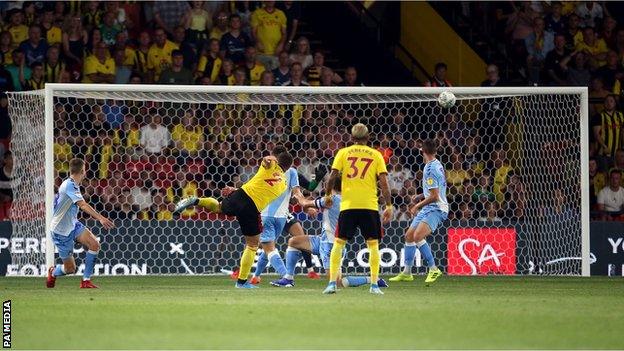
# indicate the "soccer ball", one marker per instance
pixel 446 99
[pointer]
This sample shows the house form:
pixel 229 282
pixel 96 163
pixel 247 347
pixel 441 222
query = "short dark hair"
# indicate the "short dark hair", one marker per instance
pixel 234 15
pixel 279 149
pixel 76 165
pixel 176 52
pixel 429 146
pixel 36 64
pixel 616 171
pixel 284 160
pixel 440 65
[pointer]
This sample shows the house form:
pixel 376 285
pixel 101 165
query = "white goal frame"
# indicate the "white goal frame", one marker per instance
pixel 50 89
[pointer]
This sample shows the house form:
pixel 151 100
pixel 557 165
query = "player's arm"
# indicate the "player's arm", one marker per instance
pixel 387 197
pixel 433 197
pixel 84 206
pixel 329 185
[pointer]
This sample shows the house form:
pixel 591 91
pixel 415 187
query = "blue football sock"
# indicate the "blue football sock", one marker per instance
pixel 409 252
pixel 277 263
pixel 354 281
pixel 425 251
pixel 89 264
pixel 292 257
pixel 59 271
pixel 263 261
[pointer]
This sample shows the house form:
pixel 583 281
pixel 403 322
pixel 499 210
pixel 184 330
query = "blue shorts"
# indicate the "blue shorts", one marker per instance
pixel 322 249
pixel 432 216
pixel 65 244
pixel 272 227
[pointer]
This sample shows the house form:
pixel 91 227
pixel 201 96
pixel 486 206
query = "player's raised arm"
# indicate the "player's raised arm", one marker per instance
pixel 267 161
pixel 84 206
pixel 329 185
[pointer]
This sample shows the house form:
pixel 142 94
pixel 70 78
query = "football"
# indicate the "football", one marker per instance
pixel 446 99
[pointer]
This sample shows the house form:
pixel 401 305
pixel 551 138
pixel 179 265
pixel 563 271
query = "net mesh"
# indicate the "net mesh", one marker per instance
pixel 512 165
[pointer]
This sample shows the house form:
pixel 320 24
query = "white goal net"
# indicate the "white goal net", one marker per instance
pixel 513 159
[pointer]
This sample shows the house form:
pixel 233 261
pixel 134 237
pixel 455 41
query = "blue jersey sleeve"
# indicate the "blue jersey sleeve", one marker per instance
pixel 319 202
pixel 293 179
pixel 73 191
pixel 432 178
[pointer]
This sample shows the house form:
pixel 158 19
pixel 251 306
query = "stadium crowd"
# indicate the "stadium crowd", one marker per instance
pixel 143 157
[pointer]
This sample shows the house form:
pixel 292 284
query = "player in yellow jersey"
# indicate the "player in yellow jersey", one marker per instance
pixel 360 168
pixel 246 204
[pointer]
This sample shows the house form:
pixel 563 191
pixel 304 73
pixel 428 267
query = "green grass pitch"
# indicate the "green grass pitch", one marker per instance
pixel 189 312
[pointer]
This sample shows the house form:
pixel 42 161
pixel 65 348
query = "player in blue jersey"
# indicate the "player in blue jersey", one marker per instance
pixel 66 229
pixel 319 245
pixel 432 211
pixel 274 218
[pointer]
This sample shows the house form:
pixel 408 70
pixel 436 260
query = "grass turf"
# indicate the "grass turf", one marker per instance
pixel 207 312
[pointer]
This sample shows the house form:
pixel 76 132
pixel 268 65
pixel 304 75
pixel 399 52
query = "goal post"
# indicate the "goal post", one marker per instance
pixel 542 133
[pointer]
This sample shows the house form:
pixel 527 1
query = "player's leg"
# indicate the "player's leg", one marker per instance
pixel 267 244
pixel 296 245
pixel 295 229
pixel 347 226
pixel 247 260
pixel 370 226
pixel 428 225
pixel 90 242
pixel 209 203
pixel 409 252
pixel 65 246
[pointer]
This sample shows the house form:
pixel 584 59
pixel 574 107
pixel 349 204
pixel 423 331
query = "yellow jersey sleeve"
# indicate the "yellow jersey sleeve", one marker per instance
pixel 381 164
pixel 338 161
pixel 267 185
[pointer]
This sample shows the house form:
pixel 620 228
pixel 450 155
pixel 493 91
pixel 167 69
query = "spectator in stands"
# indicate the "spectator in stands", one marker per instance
pixel 598 92
pixel 135 79
pixel 53 65
pixel 36 80
pixel 351 78
pixel 226 76
pixel 267 78
pixel 159 54
pixel 327 77
pixel 160 210
pixel 234 42
pixel 98 68
pixel 595 48
pixel 611 197
pixel 309 163
pixel 292 10
pixel 62 153
pixel 6 178
pixel 296 76
pixel 589 11
pixel 439 76
pixel 109 29
pixel 253 67
pixel 61 10
pixel 269 31
pixel 122 72
pixel 6 82
pixel 619 159
pixel 397 175
pixel 466 211
pixel 573 33
pixel 555 22
pixel 577 74
pixel 302 53
pixel 16 27
pixel 182 187
pixel 597 181
pixel 483 190
pixel 177 73
pixel 210 63
pixel 167 14
pixel 221 26
pixel 619 44
pixel 197 22
pixel 35 48
pixel 92 16
pixel 282 71
pixel 492 77
pixel 18 69
pixel 188 138
pixel 403 214
pixel 607 128
pixel 457 174
pixel 155 138
pixel 6 47
pixel 189 50
pixel 538 45
pixel 609 32
pixel 123 206
pixel 50 31
pixel 501 174
pixel 75 39
pixel 610 70
pixel 142 192
pixel 141 53
pixel 555 75
pixel 28 7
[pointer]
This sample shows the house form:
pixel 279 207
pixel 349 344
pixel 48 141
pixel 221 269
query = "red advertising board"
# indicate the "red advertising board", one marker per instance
pixel 473 251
